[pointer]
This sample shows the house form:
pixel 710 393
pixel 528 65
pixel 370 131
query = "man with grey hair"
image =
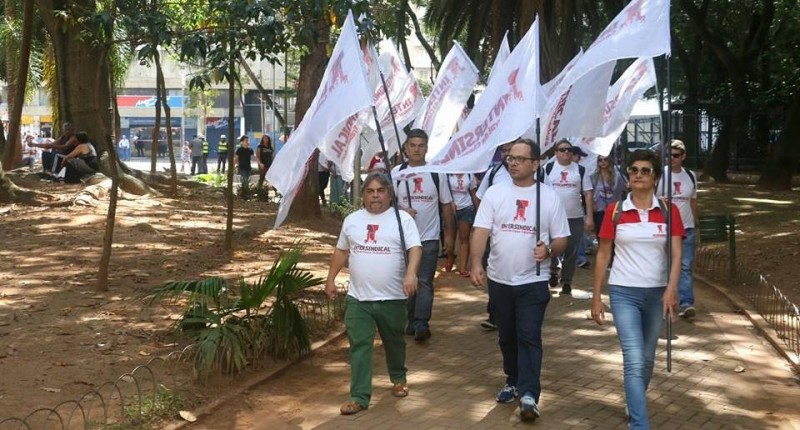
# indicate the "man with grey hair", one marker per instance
pixel 372 242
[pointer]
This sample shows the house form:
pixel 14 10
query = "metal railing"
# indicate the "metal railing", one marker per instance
pixel 768 300
pixel 132 399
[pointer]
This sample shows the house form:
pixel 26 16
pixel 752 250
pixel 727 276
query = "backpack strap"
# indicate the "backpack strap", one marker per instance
pixel 691 176
pixel 493 172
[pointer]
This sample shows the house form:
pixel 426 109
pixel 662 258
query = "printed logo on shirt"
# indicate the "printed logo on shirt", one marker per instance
pixel 371 229
pixel 564 177
pixel 417 185
pixel 461 183
pixel 677 187
pixel 660 232
pixel 521 206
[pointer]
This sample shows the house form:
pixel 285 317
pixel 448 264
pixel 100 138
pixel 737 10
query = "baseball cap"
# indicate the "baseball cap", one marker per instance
pixel 578 151
pixel 222 137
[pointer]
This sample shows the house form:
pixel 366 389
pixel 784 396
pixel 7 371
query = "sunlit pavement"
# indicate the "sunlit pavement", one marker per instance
pixel 723 375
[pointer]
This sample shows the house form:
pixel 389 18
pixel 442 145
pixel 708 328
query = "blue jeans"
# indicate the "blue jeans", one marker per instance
pixel 570 255
pixel 420 306
pixel 519 313
pixel 638 316
pixel 245 174
pixel 125 154
pixel 685 289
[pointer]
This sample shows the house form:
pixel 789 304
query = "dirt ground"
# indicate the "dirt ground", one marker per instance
pixel 60 339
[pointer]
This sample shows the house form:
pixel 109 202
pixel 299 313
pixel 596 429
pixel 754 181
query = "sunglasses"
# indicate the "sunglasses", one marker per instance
pixel 645 171
pixel 564 149
pixel 676 155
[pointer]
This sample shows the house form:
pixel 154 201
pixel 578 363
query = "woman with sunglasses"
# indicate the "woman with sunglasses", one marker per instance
pixel 609 186
pixel 642 295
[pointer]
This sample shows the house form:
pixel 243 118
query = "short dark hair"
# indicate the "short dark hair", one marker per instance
pixel 381 178
pixel 82 137
pixel 534 148
pixel 416 132
pixel 649 156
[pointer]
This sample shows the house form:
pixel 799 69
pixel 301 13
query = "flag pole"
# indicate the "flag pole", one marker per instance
pixel 396 133
pixel 396 200
pixel 666 149
pixel 539 181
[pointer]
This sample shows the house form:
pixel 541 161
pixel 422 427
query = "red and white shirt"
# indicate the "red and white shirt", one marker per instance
pixel 376 259
pixel 509 212
pixel 566 182
pixel 640 243
pixel 424 199
pixel 684 189
pixel 460 186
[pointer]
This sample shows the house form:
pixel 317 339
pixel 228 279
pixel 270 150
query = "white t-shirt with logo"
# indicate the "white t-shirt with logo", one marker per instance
pixel 509 212
pixel 640 239
pixel 500 177
pixel 683 191
pixel 460 185
pixel 377 267
pixel 424 200
pixel 566 182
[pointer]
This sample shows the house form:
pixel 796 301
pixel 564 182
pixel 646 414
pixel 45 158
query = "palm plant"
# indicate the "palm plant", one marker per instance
pixel 231 331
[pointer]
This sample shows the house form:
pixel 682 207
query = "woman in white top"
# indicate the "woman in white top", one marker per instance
pixel 462 187
pixel 642 295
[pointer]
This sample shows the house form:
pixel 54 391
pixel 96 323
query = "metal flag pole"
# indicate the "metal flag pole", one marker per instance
pixel 389 173
pixel 396 133
pixel 666 149
pixel 539 181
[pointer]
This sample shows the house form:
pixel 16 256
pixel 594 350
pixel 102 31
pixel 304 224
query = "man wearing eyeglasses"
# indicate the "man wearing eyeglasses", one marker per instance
pixel 519 296
pixel 684 196
pixel 570 182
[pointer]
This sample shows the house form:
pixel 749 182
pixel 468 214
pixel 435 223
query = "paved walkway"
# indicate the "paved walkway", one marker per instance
pixel 723 377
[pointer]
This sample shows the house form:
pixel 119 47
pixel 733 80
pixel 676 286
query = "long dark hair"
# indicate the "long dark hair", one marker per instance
pixel 269 140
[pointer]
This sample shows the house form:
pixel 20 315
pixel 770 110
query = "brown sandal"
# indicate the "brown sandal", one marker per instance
pixel 400 390
pixel 351 408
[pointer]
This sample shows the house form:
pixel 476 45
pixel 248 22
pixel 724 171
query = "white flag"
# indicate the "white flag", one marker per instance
pixel 578 110
pixel 344 91
pixel 454 84
pixel 406 98
pixel 502 55
pixel 629 88
pixel 640 30
pixel 506 109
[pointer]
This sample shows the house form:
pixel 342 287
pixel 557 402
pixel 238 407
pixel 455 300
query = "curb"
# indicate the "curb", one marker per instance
pixel 273 373
pixel 760 324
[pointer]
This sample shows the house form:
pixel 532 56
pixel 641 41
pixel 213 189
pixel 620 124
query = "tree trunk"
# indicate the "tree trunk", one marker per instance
pixel 231 148
pixel 162 94
pixel 421 37
pixel 156 135
pixel 785 155
pixel 16 90
pixel 312 68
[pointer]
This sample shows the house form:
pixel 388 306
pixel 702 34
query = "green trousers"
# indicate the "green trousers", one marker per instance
pixel 361 319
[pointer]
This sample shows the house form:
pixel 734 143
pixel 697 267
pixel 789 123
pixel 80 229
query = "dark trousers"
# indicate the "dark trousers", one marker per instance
pixel 222 162
pixel 204 164
pixel 197 162
pixel 323 183
pixel 519 313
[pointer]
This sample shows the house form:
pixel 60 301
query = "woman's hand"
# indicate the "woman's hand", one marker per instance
pixel 670 300
pixel 598 310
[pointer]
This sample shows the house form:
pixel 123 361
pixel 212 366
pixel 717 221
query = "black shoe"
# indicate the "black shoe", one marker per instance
pixel 553 281
pixel 422 334
pixel 488 324
pixel 566 290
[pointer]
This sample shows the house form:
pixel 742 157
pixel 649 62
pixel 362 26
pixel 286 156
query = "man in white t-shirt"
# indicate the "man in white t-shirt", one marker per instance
pixel 519 296
pixel 684 196
pixel 380 283
pixel 423 196
pixel 124 148
pixel 570 181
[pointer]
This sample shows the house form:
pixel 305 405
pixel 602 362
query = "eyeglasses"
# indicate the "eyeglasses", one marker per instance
pixel 512 159
pixel 676 155
pixel 564 149
pixel 645 171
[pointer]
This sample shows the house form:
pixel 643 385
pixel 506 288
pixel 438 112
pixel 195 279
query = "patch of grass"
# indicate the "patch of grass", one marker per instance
pixel 161 405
